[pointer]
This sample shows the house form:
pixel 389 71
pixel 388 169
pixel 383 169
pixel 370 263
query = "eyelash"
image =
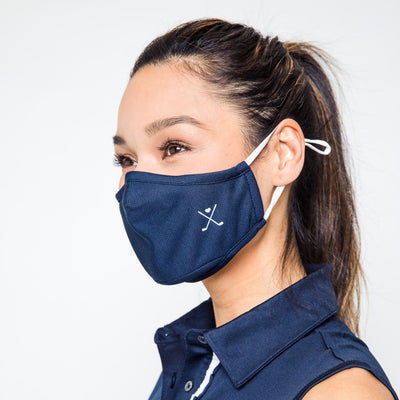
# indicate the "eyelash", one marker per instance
pixel 172 143
pixel 125 162
pixel 122 161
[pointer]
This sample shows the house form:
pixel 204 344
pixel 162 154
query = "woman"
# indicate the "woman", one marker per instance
pixel 233 173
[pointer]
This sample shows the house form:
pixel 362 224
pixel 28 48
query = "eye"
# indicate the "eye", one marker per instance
pixel 123 161
pixel 173 147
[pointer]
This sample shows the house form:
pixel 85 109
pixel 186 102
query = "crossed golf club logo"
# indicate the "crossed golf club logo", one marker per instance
pixel 210 217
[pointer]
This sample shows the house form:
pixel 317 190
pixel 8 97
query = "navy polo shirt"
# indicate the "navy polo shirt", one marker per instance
pixel 277 350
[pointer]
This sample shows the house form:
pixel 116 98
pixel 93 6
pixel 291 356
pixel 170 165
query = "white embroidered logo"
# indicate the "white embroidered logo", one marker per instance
pixel 210 218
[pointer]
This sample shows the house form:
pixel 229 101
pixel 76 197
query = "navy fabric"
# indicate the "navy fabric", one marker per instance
pixel 187 227
pixel 277 350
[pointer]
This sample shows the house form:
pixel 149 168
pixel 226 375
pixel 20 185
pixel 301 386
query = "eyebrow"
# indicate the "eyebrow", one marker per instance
pixel 159 124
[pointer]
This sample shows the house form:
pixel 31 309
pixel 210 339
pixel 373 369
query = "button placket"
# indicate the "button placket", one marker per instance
pixel 197 348
pixel 173 380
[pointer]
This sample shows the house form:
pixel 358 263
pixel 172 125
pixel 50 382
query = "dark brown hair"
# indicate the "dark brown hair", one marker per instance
pixel 268 80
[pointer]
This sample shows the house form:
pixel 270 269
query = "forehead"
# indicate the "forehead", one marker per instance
pixel 165 91
pixel 156 90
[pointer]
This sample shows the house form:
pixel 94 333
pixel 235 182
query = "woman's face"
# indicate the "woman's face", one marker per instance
pixel 169 124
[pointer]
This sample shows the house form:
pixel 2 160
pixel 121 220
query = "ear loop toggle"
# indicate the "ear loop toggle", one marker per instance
pixel 279 189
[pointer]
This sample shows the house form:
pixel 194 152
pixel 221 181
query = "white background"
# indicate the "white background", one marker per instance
pixel 77 312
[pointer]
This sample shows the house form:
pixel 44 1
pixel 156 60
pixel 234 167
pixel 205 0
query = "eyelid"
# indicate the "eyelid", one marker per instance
pixel 119 160
pixel 172 142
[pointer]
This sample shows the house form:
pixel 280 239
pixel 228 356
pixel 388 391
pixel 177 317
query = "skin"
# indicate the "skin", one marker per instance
pixel 253 275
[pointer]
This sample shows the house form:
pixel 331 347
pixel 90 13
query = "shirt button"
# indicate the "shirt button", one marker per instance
pixel 188 386
pixel 202 339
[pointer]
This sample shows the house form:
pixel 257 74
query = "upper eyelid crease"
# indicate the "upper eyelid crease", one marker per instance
pixel 172 142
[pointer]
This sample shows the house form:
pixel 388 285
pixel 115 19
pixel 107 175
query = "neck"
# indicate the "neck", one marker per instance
pixel 254 274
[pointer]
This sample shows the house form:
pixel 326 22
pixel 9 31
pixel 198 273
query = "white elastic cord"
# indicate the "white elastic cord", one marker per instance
pixel 279 189
pixel 275 197
pixel 258 149
pixel 325 152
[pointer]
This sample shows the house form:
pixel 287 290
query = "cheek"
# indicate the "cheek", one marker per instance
pixel 121 181
pixel 124 172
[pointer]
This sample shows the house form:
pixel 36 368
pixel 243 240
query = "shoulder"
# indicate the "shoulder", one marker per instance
pixel 353 384
pixel 346 369
pixel 347 347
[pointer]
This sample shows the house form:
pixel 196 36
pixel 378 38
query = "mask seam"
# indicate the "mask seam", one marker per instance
pixel 251 195
pixel 195 183
pixel 124 188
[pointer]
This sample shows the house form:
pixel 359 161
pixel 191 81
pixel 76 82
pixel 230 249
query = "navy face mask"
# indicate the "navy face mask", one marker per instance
pixel 185 228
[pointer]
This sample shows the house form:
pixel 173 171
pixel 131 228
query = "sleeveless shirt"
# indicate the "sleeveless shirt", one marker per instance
pixel 278 350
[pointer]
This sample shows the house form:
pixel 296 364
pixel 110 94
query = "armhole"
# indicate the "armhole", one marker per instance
pixel 156 393
pixel 342 367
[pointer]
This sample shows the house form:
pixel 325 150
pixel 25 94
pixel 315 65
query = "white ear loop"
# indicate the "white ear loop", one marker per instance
pixel 279 189
pixel 275 197
pixel 321 143
pixel 258 149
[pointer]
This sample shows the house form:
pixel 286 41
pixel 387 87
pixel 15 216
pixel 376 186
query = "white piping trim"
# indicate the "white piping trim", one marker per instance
pixel 213 364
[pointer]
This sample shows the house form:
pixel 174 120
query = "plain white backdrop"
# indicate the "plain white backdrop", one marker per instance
pixel 77 311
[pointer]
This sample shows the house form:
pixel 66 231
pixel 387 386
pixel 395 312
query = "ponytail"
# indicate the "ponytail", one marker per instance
pixel 322 215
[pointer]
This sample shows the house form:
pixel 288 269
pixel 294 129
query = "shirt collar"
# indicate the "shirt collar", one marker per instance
pixel 252 340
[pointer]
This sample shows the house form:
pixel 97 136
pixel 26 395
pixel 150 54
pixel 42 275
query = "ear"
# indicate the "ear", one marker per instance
pixel 288 152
